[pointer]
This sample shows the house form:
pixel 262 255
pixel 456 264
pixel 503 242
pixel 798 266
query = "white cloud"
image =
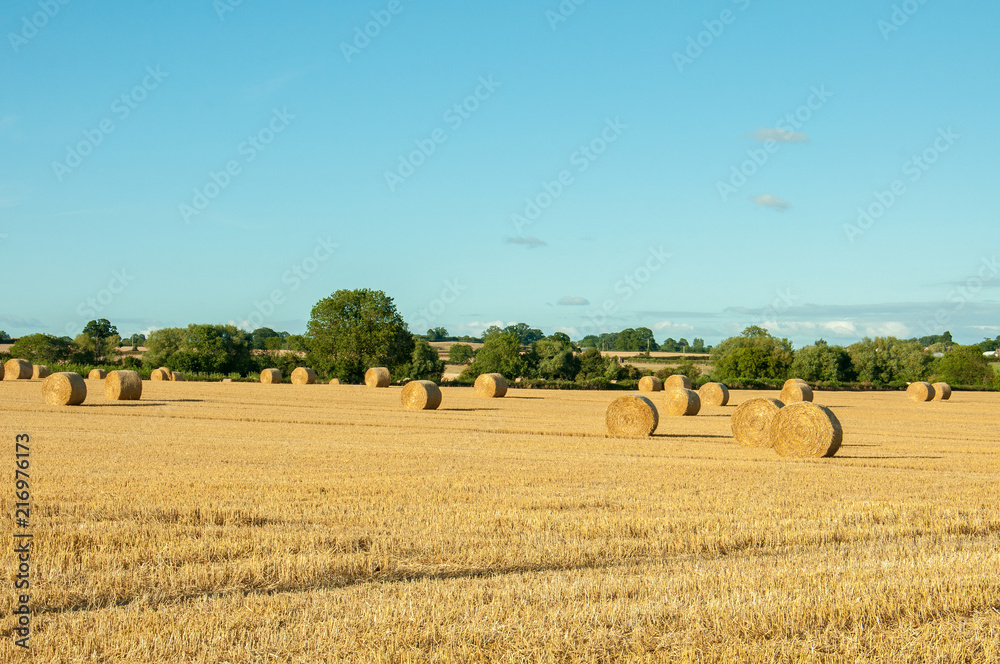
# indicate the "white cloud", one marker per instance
pixel 843 328
pixel 888 329
pixel 569 301
pixel 771 201
pixel 764 134
pixel 530 242
pixel 672 326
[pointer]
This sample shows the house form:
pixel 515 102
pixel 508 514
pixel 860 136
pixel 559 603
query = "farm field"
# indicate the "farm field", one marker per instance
pixel 241 522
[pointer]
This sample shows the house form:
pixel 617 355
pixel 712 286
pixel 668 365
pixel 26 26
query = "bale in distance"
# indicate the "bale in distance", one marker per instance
pixel 650 384
pixel 920 391
pixel 303 376
pixel 805 429
pixel 942 391
pixel 2 372
pixel 677 380
pixel 490 386
pixel 795 390
pixel 631 416
pixel 176 375
pixel 713 394
pixel 40 371
pixel 270 376
pixel 97 374
pixel 377 377
pixel 123 385
pixel 17 370
pixel 335 381
pixel 159 374
pixel 421 395
pixel 64 389
pixel 681 402
pixel 751 420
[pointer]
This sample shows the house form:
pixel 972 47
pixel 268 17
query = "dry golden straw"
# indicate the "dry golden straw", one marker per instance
pixel 920 391
pixel 677 380
pixel 40 371
pixel 650 384
pixel 303 376
pixel 805 429
pixel 64 389
pixel 631 416
pixel 795 390
pixel 159 374
pixel 176 375
pixel 490 386
pixel 335 381
pixel 270 376
pixel 942 391
pixel 377 377
pixel 751 420
pixel 17 370
pixel 97 374
pixel 123 386
pixel 682 402
pixel 713 394
pixel 421 395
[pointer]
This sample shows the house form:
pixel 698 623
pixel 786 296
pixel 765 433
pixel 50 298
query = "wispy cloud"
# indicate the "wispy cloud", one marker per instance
pixel 764 134
pixel 530 242
pixel 771 201
pixel 568 301
pixel 20 323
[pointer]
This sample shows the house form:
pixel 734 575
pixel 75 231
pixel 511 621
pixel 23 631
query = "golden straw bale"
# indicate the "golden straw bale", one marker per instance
pixel 650 384
pixel 942 391
pixel 682 402
pixel 40 371
pixel 420 395
pixel 377 377
pixel 97 374
pixel 751 420
pixel 123 385
pixel 490 386
pixel 677 380
pixel 64 389
pixel 159 374
pixel 795 390
pixel 303 376
pixel 270 376
pixel 17 370
pixel 713 394
pixel 631 416
pixel 805 429
pixel 335 381
pixel 920 391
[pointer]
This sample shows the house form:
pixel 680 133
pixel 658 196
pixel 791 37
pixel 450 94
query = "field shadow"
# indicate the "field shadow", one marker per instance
pixel 184 400
pixel 466 410
pixel 512 397
pixel 681 435
pixel 841 456
pixel 121 404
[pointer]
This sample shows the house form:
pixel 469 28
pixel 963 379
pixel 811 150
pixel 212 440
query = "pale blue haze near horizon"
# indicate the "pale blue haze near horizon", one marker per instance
pixel 655 231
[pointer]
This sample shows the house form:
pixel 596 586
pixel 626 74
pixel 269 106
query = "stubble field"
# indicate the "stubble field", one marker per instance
pixel 279 523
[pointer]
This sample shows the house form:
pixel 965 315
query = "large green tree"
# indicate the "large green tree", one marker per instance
pixel 200 349
pixel 98 342
pixel 822 362
pixel 885 360
pixel 354 330
pixel 460 354
pixel 42 349
pixel 501 353
pixel 754 355
pixel 425 363
pixel 964 365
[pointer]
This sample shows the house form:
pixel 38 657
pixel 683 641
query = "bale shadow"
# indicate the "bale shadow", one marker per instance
pixel 121 404
pixel 841 456
pixel 681 435
pixel 466 410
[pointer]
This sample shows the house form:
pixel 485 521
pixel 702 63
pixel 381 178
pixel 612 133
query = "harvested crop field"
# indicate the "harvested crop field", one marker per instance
pixel 244 522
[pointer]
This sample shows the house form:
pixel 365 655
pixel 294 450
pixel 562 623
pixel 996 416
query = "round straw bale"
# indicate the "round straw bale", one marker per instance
pixel 270 376
pixel 677 380
pixel 159 374
pixel 751 419
pixel 920 391
pixel 40 371
pixel 64 389
pixel 421 395
pixel 805 429
pixel 650 384
pixel 17 370
pixel 795 390
pixel 680 402
pixel 942 391
pixel 631 416
pixel 335 381
pixel 713 394
pixel 303 376
pixel 123 385
pixel 97 374
pixel 377 377
pixel 176 375
pixel 490 386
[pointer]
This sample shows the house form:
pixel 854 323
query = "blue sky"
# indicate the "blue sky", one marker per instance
pixel 825 171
